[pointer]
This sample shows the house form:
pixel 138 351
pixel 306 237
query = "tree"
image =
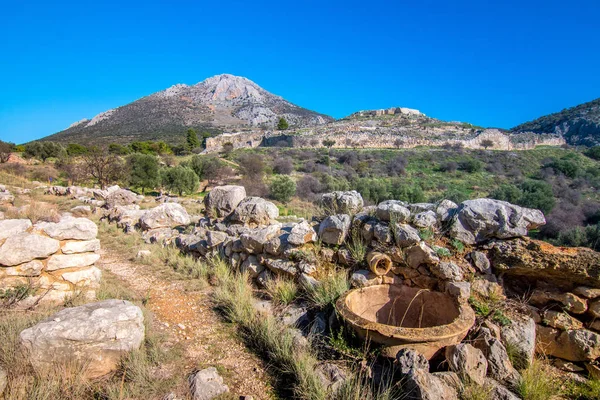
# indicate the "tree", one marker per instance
pixel 252 166
pixel 180 179
pixel 102 166
pixel 43 150
pixel 399 143
pixel 329 143
pixel 5 150
pixel 593 152
pixel 282 188
pixel 143 171
pixel 487 143
pixel 118 149
pixel 282 125
pixel 75 149
pixel 227 147
pixel 192 139
pixel 72 169
pixel 283 166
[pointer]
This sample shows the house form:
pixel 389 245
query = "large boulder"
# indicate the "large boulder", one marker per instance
pixel 222 200
pixel 483 219
pixel 342 202
pixel 301 234
pixel 166 215
pixel 334 229
pixel 255 211
pixel 405 235
pixel 69 228
pixel 11 227
pixel 25 247
pixel 94 336
pixel 255 240
pixel 122 197
pixel 574 345
pixel 393 210
pixel 520 334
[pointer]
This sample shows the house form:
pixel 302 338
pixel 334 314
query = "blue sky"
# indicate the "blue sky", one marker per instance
pixel 488 63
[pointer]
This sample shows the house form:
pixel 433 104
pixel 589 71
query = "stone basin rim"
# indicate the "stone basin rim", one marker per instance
pixel 462 323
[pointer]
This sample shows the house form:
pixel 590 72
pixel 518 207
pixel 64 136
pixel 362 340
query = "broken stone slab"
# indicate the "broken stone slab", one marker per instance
pixel 281 267
pixel 252 266
pixel 24 247
pixel 499 365
pixel 410 359
pixel 255 240
pixel 11 227
pixel 560 320
pixel 425 220
pixel 574 345
pixel 467 361
pixel 587 292
pixel 61 261
pixel 482 219
pixel 207 384
pixel 31 268
pixel 572 303
pixel 350 202
pixel 222 200
pixel 459 290
pixel 89 277
pixel 83 246
pixel 69 228
pixel 422 385
pixel 405 235
pixel 448 271
pixel 214 238
pixel 364 278
pixel 520 334
pixel 94 336
pixel 382 233
pixel 334 229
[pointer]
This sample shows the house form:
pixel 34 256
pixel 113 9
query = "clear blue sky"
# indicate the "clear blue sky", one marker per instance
pixel 488 63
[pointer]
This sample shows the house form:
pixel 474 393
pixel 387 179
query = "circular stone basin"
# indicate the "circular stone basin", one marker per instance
pixel 398 316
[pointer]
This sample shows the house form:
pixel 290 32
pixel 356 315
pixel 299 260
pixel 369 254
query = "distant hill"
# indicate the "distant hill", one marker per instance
pixel 223 102
pixel 579 125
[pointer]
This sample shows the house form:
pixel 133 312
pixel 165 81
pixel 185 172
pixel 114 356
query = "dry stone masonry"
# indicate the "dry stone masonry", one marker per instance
pixel 48 262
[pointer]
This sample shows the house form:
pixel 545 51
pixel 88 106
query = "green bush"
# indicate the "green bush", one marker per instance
pixel 567 167
pixel 593 152
pixel 74 149
pixel 530 193
pixel 180 179
pixel 471 165
pixel 43 150
pixel 282 188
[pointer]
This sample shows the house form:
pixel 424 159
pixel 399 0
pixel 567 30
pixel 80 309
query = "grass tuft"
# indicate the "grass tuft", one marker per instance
pixel 329 289
pixel 283 291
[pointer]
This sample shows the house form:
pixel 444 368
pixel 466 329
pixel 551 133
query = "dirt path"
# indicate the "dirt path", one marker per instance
pixel 188 318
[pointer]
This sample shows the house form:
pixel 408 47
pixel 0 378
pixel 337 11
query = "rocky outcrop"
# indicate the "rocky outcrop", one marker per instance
pixel 92 337
pixel 254 211
pixel 482 219
pixel 166 215
pixel 342 202
pixel 222 200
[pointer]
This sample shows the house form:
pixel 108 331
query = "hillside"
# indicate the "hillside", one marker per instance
pixel 223 102
pixel 579 125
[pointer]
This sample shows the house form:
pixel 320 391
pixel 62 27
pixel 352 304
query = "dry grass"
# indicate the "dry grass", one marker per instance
pixel 35 211
pixel 329 289
pixel 537 383
pixel 283 291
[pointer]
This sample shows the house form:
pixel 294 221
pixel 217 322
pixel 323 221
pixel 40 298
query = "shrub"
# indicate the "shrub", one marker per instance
pixel 537 194
pixel 5 150
pixel 282 124
pixel 118 149
pixel 457 195
pixel 449 166
pixel 308 187
pixel 471 165
pixel 567 167
pixel 191 139
pixel 282 188
pixel 74 149
pixel 180 179
pixel 143 171
pixel 252 166
pixel 43 150
pixel 283 166
pixel 102 166
pixel 593 152
pixel 507 192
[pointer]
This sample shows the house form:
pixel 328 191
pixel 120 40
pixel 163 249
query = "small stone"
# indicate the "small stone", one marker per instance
pixel 480 262
pixel 421 254
pixel 143 254
pixel 448 271
pixel 207 384
pixel 364 278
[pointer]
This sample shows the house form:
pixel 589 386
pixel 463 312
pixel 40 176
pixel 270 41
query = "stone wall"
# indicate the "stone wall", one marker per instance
pixel 368 137
pixel 48 261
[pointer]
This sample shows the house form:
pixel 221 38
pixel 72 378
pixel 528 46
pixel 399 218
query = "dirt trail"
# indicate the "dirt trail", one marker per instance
pixel 187 317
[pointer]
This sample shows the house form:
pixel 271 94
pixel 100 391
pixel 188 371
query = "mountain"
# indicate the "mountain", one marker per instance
pixel 579 125
pixel 221 103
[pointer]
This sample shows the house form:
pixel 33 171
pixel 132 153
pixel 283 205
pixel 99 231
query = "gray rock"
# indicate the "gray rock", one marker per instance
pixel 334 229
pixel 81 246
pixel 482 219
pixel 159 235
pixel 94 335
pixel 255 211
pixel 69 228
pixel 301 234
pixel 25 247
pixel 84 278
pixel 307 281
pixel 222 200
pixel 214 238
pixel 409 359
pixel 207 384
pixel 467 361
pixel 251 266
pixel 122 197
pixel 405 235
pixel 364 278
pixel 11 227
pixel 445 210
pixel 350 202
pixel 499 365
pixel 382 234
pixel 421 385
pixel 277 245
pixel 255 240
pixel 425 220
pixel 167 215
pixel 459 290
pixel 295 316
pixel 281 267
pixel 421 254
pixel 448 271
pixel 574 345
pixel 331 376
pixel 393 210
pixel 143 254
pixel 498 391
pixel 481 262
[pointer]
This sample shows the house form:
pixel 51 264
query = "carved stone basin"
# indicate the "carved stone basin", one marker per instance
pixel 398 316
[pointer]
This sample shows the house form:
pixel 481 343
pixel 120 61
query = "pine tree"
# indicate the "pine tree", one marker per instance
pixel 192 139
pixel 282 125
